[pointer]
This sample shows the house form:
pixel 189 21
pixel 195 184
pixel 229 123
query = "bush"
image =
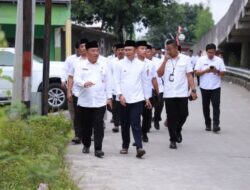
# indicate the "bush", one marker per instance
pixel 32 152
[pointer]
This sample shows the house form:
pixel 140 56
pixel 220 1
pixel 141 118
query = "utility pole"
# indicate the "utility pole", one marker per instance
pixel 46 56
pixel 27 53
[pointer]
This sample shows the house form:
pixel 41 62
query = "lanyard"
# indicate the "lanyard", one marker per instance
pixel 174 65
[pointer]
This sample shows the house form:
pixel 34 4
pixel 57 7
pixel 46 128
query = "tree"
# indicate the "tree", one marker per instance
pixel 3 41
pixel 119 16
pixel 184 15
pixel 204 23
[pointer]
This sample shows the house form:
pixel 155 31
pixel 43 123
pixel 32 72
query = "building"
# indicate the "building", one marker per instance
pixel 60 42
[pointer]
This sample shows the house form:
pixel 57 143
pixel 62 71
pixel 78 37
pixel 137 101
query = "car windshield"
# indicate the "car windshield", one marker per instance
pixel 38 59
pixel 6 58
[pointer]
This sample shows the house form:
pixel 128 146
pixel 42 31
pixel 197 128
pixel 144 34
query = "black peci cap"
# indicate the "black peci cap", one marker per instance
pixel 83 41
pixel 129 43
pixel 91 44
pixel 149 46
pixel 141 43
pixel 120 45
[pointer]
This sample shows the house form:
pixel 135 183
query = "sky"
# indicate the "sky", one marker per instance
pixel 218 8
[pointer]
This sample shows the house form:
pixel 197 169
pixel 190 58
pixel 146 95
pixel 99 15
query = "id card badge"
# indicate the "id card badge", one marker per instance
pixel 171 77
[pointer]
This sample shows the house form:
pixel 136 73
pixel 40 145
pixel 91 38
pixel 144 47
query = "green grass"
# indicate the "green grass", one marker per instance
pixel 32 152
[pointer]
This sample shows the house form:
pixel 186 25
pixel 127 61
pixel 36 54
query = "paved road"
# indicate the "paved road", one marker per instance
pixel 204 161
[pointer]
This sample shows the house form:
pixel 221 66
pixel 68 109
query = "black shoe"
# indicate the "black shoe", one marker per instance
pixel 157 125
pixel 76 140
pixel 173 145
pixel 140 153
pixel 134 144
pixel 179 137
pixel 216 129
pixel 85 150
pixel 99 153
pixel 145 138
pixel 124 151
pixel 115 129
pixel 208 128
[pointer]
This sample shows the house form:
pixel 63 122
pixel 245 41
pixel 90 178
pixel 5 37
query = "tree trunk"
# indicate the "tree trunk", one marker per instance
pixel 118 28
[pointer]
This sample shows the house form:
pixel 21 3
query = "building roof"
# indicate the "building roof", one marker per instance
pixel 39 1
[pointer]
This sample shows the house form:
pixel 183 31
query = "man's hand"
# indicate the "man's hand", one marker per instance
pixel 194 95
pixel 122 100
pixel 166 57
pixel 148 104
pixel 69 96
pixel 88 84
pixel 64 85
pixel 109 103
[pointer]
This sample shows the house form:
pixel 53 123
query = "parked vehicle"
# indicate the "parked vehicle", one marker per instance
pixel 56 95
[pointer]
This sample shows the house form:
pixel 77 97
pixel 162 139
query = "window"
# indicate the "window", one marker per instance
pixel 6 58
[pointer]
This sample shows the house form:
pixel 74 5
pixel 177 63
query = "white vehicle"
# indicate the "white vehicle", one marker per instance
pixel 56 96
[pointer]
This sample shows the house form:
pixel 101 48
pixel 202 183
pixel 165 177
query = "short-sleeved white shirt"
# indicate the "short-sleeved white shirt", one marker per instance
pixel 75 88
pixel 210 81
pixel 178 67
pixel 68 64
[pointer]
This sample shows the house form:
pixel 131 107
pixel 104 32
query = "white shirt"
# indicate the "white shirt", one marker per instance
pixel 210 81
pixel 131 80
pixel 67 64
pixel 75 88
pixel 111 65
pixel 96 95
pixel 193 61
pixel 177 70
pixel 158 63
pixel 152 73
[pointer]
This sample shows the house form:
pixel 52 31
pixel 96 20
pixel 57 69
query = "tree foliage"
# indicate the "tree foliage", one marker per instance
pixel 184 15
pixel 204 23
pixel 119 16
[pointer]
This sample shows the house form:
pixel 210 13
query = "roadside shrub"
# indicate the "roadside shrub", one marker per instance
pixel 32 152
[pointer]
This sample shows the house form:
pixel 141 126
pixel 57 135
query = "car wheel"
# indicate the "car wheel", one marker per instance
pixel 57 98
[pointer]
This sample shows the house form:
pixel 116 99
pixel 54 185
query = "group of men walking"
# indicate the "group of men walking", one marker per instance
pixel 130 83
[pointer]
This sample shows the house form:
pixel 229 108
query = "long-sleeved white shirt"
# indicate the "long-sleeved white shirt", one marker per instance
pixel 157 62
pixel 132 80
pixel 98 73
pixel 152 74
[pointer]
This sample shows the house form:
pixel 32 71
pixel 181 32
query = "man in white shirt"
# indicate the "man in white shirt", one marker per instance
pixel 69 62
pixel 157 99
pixel 141 50
pixel 94 79
pixel 132 91
pixel 73 90
pixel 210 69
pixel 119 55
pixel 177 72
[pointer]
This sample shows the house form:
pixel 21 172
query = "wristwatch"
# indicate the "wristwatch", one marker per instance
pixel 194 90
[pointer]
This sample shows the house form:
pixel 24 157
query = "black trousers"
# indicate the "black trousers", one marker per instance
pixel 131 116
pixel 116 112
pixel 92 118
pixel 76 118
pixel 147 118
pixel 158 107
pixel 177 112
pixel 214 97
